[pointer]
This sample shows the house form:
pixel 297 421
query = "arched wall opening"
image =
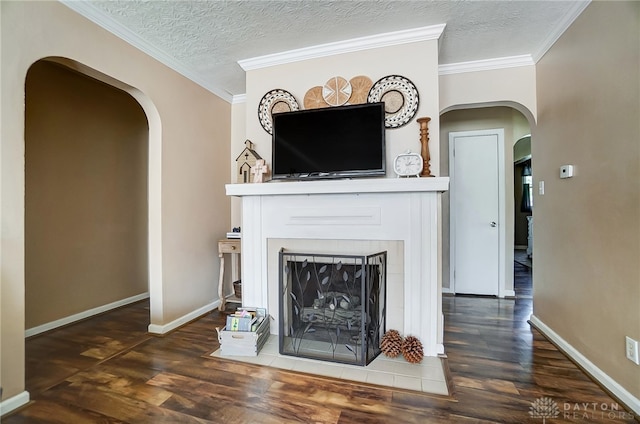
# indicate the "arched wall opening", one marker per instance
pixel 92 210
pixel 523 195
pixel 517 121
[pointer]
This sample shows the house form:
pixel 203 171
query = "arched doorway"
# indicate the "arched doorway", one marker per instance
pixel 516 122
pixel 106 224
pixel 523 193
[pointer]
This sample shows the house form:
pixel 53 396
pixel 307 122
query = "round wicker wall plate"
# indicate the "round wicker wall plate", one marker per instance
pixel 360 87
pixel 275 101
pixel 400 98
pixel 313 99
pixel 336 91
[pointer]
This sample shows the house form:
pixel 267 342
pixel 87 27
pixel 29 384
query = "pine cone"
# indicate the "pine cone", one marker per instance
pixel 391 343
pixel 412 350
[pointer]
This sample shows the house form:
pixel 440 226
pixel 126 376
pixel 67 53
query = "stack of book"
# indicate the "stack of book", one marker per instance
pixel 245 319
pixel 247 330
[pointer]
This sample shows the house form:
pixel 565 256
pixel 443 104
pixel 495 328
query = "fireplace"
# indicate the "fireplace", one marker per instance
pixel 332 307
pixel 384 211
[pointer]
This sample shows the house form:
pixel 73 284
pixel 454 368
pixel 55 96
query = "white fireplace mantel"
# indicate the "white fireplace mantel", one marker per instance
pixel 364 185
pixel 376 209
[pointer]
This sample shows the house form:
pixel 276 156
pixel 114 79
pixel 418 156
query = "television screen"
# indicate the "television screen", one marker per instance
pixel 334 142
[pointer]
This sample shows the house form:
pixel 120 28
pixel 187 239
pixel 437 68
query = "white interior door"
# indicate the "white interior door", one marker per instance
pixel 475 168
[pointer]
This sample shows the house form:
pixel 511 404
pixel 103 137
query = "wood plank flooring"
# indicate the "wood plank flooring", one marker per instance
pixel 109 370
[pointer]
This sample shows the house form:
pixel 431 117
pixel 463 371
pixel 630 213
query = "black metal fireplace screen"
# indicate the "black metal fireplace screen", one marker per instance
pixel 332 307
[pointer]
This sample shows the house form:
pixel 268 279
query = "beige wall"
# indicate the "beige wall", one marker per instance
pixel 587 228
pixel 86 147
pixel 513 87
pixel 189 164
pixel 238 137
pixel 416 61
pixel 515 126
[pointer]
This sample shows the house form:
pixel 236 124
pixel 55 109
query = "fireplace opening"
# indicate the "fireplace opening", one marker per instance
pixel 332 307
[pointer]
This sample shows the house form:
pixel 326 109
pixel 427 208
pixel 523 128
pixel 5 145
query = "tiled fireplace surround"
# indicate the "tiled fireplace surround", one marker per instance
pixel 359 216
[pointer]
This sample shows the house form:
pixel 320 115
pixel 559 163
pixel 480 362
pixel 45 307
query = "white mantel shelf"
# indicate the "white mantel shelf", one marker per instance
pixel 363 185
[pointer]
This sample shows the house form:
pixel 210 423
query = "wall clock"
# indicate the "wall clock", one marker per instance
pixel 408 164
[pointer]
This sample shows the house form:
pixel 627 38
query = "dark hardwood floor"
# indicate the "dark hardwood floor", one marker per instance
pixel 109 370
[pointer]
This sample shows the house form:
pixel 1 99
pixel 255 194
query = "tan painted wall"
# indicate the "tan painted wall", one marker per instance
pixel 515 126
pixel 238 137
pixel 514 87
pixel 193 130
pixel 86 194
pixel 416 61
pixel 587 228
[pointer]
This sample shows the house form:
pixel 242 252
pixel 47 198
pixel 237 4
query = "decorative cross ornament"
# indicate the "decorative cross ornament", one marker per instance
pixel 259 170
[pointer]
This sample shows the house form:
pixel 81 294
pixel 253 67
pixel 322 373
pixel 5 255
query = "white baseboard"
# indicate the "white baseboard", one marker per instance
pixel 164 329
pixel 507 293
pixel 83 315
pixel 590 368
pixel 14 403
pixel 503 293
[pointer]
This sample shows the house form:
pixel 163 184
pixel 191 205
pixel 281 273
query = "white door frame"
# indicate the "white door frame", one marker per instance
pixel 502 231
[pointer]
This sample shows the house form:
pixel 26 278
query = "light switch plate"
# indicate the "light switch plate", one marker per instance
pixel 631 348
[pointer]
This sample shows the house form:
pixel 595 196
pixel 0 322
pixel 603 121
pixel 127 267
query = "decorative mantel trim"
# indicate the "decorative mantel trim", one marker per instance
pixel 348 46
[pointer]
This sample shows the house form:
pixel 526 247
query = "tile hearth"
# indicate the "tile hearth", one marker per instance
pixel 426 377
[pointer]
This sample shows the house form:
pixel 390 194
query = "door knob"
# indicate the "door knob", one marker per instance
pixel 493 224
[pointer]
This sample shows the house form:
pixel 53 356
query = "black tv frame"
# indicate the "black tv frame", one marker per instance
pixel 322 116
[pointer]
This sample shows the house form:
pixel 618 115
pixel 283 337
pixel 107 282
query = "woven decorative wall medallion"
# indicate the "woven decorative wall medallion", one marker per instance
pixel 360 87
pixel 336 91
pixel 400 98
pixel 313 98
pixel 275 101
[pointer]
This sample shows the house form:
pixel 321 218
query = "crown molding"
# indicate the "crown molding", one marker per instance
pixel 239 98
pixel 95 15
pixel 461 67
pixel 486 64
pixel 576 9
pixel 432 32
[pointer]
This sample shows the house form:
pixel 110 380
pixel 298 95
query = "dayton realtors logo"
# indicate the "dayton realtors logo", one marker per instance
pixel 547 408
pixel 594 410
pixel 544 408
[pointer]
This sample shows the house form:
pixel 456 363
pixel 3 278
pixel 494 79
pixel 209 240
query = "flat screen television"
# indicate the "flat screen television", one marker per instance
pixel 333 142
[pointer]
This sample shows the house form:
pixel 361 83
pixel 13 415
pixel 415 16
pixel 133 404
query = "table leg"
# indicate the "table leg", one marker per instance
pixel 221 284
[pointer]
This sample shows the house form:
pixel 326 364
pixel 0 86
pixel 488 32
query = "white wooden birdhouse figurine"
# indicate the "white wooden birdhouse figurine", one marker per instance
pixel 245 161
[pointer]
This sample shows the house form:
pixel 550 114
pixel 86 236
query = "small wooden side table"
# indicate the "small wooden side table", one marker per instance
pixel 228 246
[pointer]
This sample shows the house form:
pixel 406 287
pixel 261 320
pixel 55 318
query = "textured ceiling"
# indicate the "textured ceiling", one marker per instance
pixel 206 39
